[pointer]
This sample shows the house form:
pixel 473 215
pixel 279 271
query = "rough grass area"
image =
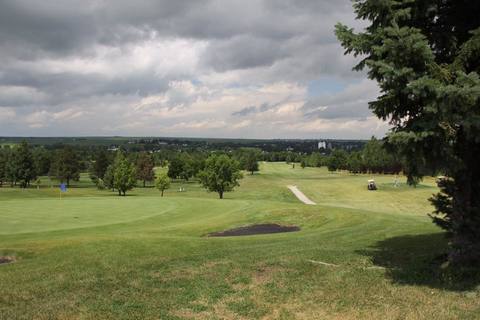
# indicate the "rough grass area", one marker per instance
pixel 93 255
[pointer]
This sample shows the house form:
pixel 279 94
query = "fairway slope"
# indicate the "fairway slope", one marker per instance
pixel 358 255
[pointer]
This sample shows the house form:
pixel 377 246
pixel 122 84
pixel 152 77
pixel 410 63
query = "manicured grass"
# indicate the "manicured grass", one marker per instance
pixel 94 255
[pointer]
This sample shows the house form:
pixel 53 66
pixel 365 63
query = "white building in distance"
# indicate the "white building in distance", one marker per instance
pixel 322 145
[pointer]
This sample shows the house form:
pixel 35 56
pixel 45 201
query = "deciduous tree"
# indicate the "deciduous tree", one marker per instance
pixel 100 164
pixel 24 164
pixel 144 168
pixel 162 183
pixel 221 174
pixel 108 178
pixel 3 165
pixel 251 162
pixel 337 160
pixel 124 175
pixel 175 167
pixel 66 166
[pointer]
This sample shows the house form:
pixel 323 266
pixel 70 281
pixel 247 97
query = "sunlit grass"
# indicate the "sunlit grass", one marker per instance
pixel 94 255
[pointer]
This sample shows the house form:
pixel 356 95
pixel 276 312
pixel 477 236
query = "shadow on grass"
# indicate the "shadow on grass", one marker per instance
pixel 418 259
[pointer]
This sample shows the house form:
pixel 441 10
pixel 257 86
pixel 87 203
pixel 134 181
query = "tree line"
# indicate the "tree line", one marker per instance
pixel 23 164
pixel 372 158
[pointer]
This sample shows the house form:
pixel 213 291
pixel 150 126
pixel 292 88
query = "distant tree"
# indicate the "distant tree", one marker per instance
pixel 24 164
pixel 303 163
pixel 91 173
pixel 100 164
pixel 144 167
pixel 355 162
pixel 372 155
pixel 289 158
pixel 251 162
pixel 175 167
pixel 100 184
pixel 187 167
pixel 221 174
pixel 248 158
pixel 124 175
pixel 3 166
pixel 66 166
pixel 337 160
pixel 162 183
pixel 316 160
pixel 11 167
pixel 197 163
pixel 108 178
pixel 377 159
pixel 42 159
pixel 425 56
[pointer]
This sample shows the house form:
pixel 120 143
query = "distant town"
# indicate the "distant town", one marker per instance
pixel 152 144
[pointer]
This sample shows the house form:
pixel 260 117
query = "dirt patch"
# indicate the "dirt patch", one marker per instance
pixel 265 228
pixel 6 259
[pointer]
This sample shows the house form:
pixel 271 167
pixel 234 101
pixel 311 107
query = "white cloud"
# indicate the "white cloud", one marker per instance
pixel 7 114
pixel 213 68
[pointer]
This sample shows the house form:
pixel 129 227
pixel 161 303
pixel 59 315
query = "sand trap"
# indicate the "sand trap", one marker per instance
pixel 254 229
pixel 299 194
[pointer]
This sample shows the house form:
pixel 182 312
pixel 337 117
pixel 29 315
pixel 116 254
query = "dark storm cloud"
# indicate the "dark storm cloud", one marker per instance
pixel 257 28
pixel 56 55
pixel 258 109
pixel 67 86
pixel 245 111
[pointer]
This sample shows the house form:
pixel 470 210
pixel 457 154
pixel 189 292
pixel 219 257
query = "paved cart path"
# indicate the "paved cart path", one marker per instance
pixel 299 194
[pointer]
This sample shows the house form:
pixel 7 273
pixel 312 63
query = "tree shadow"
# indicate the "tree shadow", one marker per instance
pixel 419 260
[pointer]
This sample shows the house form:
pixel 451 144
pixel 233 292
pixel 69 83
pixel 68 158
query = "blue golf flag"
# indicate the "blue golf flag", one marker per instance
pixel 63 187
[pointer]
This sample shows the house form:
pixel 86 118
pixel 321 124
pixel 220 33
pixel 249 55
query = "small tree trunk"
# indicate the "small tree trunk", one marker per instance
pixel 144 183
pixel 162 192
pixel 220 194
pixel 119 192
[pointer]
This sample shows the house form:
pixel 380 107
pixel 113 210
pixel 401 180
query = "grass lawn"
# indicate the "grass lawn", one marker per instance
pixel 94 255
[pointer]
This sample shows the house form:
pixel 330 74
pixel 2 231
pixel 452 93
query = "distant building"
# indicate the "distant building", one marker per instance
pixel 322 145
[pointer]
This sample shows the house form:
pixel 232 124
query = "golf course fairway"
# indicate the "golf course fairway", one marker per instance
pixel 359 254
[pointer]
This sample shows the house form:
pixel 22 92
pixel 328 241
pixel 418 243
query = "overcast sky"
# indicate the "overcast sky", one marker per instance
pixel 247 68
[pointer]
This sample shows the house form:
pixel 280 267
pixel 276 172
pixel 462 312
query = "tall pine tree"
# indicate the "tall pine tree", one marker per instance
pixel 425 57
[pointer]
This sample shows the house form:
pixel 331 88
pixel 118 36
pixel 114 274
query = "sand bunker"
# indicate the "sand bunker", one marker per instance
pixel 254 229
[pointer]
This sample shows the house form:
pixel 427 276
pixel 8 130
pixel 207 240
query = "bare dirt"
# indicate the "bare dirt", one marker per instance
pixel 5 259
pixel 265 228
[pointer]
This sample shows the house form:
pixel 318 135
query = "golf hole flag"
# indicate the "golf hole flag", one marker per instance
pixel 63 187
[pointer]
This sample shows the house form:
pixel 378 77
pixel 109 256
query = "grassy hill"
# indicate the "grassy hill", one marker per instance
pixel 359 254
